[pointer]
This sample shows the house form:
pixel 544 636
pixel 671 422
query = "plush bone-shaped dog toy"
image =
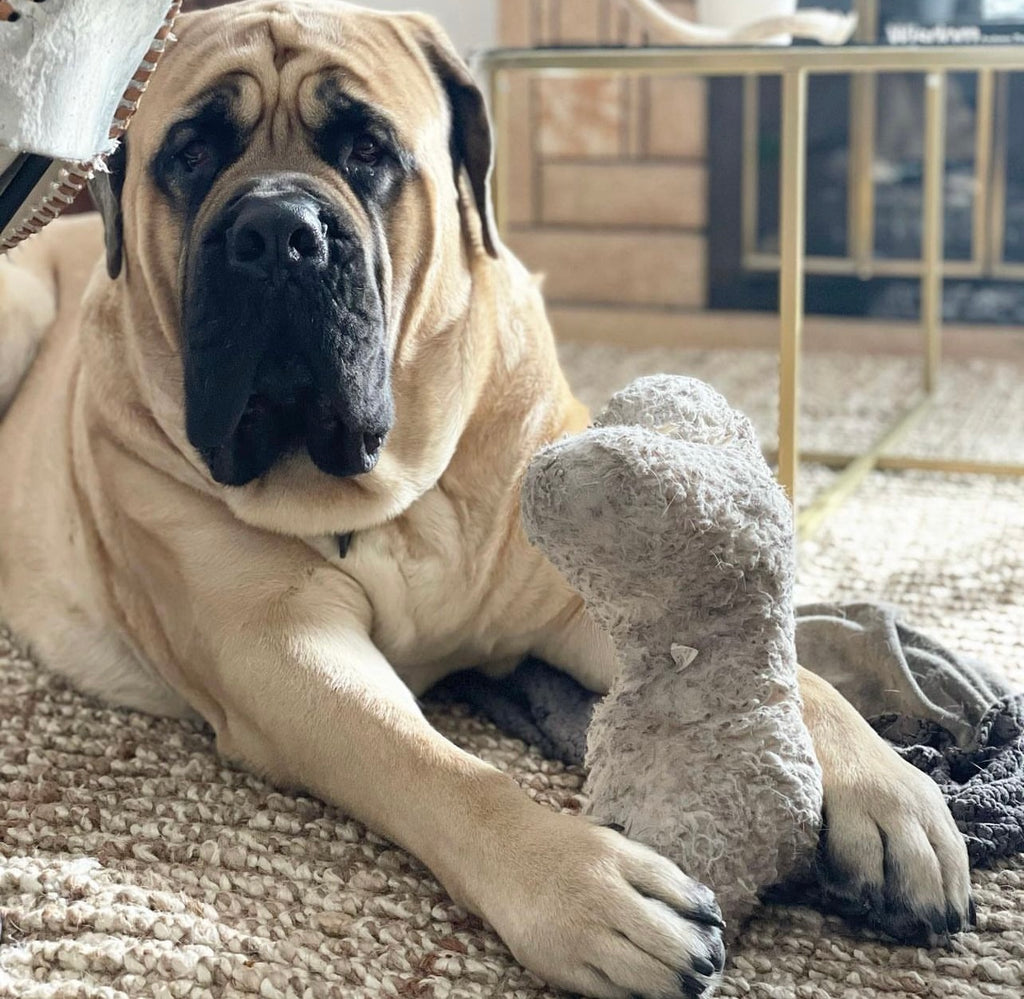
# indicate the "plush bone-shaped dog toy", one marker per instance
pixel 667 520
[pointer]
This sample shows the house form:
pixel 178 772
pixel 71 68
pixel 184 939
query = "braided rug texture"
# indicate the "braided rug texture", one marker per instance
pixel 135 863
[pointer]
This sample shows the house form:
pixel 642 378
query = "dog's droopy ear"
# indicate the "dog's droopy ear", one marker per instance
pixel 471 141
pixel 106 187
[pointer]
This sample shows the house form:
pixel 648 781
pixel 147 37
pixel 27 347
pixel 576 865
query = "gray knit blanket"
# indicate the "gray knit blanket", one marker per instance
pixel 954 719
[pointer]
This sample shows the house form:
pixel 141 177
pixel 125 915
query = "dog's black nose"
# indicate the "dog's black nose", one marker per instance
pixel 274 234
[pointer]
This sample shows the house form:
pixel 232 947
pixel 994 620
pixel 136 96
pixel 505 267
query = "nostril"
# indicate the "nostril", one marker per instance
pixel 372 443
pixel 303 242
pixel 249 246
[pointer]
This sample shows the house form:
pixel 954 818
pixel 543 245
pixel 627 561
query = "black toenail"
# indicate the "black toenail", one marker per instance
pixel 954 921
pixel 710 915
pixel 972 913
pixel 703 966
pixel 939 921
pixel 693 988
pixel 717 953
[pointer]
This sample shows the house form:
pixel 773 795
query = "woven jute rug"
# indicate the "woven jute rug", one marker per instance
pixel 135 863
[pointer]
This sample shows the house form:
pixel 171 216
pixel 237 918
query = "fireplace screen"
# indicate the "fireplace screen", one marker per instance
pixel 865 178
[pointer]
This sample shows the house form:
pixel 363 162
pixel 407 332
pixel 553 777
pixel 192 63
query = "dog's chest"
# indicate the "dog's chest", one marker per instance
pixel 437 582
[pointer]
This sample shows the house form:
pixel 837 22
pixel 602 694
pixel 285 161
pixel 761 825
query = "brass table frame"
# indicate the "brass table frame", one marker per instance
pixel 794 65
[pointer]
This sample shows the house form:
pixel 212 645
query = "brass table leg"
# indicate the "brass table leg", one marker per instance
pixel 996 242
pixel 750 183
pixel 855 469
pixel 791 279
pixel 933 232
pixel 985 128
pixel 861 208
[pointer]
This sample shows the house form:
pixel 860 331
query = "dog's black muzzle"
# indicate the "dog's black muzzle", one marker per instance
pixel 284 336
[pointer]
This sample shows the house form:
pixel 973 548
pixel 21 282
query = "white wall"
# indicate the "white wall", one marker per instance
pixel 473 24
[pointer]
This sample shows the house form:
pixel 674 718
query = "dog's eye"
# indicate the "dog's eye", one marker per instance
pixel 366 149
pixel 196 155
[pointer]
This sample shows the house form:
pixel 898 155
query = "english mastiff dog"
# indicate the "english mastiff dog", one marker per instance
pixel 264 470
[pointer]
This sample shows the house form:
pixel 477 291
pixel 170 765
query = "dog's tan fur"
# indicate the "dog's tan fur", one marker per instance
pixel 130 571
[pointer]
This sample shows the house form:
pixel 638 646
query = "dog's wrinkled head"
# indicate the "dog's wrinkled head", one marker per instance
pixel 291 168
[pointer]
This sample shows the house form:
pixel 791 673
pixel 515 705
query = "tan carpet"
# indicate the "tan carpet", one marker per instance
pixel 133 863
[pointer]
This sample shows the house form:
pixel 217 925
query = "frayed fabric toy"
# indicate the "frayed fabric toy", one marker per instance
pixel 668 521
pixel 72 73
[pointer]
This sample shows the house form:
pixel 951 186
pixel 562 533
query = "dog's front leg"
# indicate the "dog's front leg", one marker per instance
pixel 890 849
pixel 309 701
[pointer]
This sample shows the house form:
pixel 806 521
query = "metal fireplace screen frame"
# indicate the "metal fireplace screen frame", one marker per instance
pixel 988 243
pixel 794 65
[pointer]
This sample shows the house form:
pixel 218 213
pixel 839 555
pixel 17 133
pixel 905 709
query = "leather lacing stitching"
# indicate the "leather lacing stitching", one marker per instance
pixel 71 179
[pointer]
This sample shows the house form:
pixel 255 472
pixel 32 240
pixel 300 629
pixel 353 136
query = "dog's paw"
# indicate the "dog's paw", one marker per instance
pixel 892 856
pixel 594 913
